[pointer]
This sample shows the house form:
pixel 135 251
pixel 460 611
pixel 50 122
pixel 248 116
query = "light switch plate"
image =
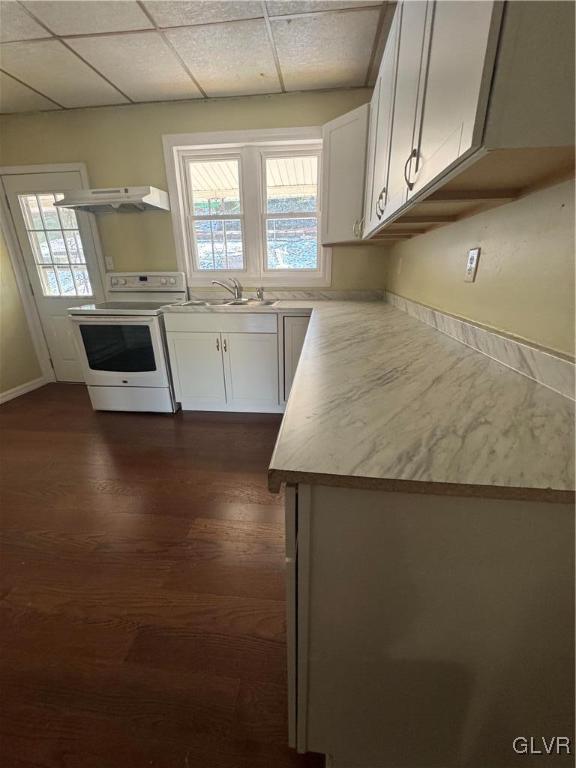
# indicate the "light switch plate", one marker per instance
pixel 472 265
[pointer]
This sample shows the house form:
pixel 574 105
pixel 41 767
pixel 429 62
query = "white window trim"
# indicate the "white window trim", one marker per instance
pixel 178 146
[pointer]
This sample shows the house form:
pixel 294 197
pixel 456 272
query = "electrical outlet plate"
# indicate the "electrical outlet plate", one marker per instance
pixel 472 265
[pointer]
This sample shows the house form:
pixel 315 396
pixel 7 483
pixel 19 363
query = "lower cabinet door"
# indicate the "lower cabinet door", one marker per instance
pixel 251 365
pixel 197 369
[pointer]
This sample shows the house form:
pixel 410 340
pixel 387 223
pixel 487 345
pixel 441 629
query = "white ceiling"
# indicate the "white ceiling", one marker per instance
pixel 66 54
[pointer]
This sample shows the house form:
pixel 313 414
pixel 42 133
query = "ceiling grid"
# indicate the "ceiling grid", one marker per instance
pixel 68 54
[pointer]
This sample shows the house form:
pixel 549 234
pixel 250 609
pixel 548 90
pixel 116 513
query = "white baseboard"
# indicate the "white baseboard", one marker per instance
pixel 10 394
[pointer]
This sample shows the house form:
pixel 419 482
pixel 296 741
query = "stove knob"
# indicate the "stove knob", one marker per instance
pixel 114 281
pixel 163 281
pixel 122 281
pixel 172 281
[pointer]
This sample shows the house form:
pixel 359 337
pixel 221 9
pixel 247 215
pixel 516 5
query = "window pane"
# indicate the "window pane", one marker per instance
pixel 40 248
pixel 31 212
pixel 219 244
pixel 66 281
pixel 292 243
pixel 291 184
pixel 67 216
pixel 82 280
pixel 75 250
pixel 49 212
pixel 49 282
pixel 215 187
pixel 57 247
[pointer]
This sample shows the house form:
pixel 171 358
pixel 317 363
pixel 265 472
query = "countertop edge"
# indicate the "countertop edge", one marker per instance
pixel 277 477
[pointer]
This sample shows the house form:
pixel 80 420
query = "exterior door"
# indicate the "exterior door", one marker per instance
pixel 59 254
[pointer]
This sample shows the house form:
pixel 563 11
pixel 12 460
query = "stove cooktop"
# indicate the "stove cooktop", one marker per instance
pixel 120 308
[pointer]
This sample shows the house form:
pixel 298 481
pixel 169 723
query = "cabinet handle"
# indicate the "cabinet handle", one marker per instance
pixel 218 343
pixel 225 346
pixel 411 156
pixel 379 209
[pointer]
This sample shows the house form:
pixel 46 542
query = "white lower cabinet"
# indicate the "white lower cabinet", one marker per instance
pixel 251 370
pixel 198 369
pixel 224 362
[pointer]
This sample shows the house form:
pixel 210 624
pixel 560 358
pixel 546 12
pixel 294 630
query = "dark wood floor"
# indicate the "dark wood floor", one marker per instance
pixel 142 589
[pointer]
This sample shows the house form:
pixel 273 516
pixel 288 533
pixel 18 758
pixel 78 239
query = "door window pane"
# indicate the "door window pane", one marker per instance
pixel 49 212
pixel 82 281
pixel 57 246
pixel 40 249
pixel 219 244
pixel 292 184
pixel 48 281
pixel 55 241
pixel 65 281
pixel 292 243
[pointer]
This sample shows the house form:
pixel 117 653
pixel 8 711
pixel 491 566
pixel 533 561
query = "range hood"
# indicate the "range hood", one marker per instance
pixel 116 200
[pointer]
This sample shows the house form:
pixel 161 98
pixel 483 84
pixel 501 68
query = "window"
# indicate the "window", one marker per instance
pixel 291 213
pixel 56 245
pixel 249 210
pixel 216 214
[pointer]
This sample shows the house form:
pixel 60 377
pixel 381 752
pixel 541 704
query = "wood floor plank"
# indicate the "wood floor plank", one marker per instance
pixel 142 605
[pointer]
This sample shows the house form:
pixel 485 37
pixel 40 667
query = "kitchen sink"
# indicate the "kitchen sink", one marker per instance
pixel 229 303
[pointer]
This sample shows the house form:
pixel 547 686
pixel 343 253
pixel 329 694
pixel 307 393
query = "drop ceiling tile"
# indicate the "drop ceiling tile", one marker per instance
pixel 84 17
pixel 167 13
pixel 228 59
pixel 284 7
pixel 327 51
pixel 141 64
pixel 16 24
pixel 49 67
pixel 15 97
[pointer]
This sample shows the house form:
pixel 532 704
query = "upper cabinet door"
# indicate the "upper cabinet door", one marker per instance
pixel 412 18
pixel 343 163
pixel 381 132
pixel 370 195
pixel 460 47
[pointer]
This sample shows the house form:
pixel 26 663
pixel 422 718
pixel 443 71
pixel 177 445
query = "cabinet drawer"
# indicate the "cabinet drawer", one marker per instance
pixel 221 322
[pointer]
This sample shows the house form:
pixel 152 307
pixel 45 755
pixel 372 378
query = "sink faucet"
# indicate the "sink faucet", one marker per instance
pixel 232 285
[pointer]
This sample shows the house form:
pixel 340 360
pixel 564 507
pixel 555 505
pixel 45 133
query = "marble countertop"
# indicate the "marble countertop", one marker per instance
pixel 382 400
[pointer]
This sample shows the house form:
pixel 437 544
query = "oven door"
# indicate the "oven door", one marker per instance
pixel 121 351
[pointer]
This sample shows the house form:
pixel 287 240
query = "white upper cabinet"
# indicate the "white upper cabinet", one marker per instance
pixel 343 164
pixel 380 134
pixel 412 19
pixel 458 47
pixel 370 219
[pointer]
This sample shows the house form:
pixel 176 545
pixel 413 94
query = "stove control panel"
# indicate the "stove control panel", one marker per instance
pixel 144 282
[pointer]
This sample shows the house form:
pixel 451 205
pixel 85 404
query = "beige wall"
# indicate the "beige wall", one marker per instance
pixel 18 361
pixel 525 280
pixel 123 145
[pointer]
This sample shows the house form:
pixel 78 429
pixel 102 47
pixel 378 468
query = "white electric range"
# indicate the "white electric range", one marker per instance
pixel 122 343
